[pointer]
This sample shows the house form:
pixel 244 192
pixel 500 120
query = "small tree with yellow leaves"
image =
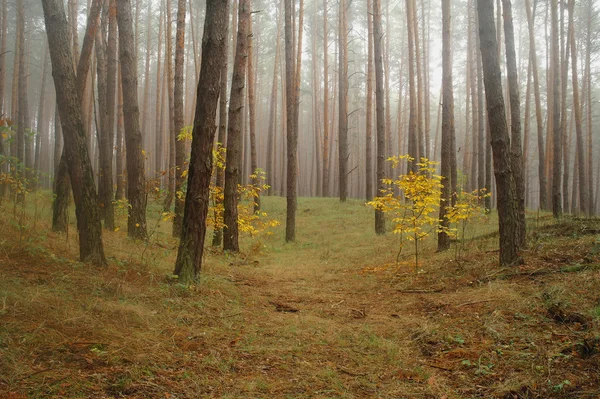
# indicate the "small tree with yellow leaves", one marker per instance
pixel 468 206
pixel 249 221
pixel 415 208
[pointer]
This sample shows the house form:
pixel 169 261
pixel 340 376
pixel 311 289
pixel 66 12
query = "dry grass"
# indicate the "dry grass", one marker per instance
pixel 330 316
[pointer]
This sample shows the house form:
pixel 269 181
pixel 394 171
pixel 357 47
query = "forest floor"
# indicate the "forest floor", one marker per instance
pixel 333 315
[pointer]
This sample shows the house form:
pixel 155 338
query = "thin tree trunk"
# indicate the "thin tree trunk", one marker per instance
pixel 369 111
pixel 325 188
pixel 252 114
pixel 120 150
pixel 179 118
pixel 234 130
pixel 379 111
pixel 343 101
pixel 557 139
pixel 516 151
pixel 136 180
pixel 191 244
pixel 158 126
pixel 538 110
pixel 507 207
pixel 292 134
pixel 273 115
pixel 583 179
pixel 222 137
pixel 171 120
pixel 447 127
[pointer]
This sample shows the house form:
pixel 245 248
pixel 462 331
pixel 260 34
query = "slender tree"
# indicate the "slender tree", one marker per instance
pixel 136 180
pixel 506 194
pixel 191 244
pixel 516 150
pixel 343 100
pixel 556 135
pixel 222 135
pixel 583 179
pixel 178 109
pixel 369 105
pixel 326 145
pixel 538 109
pixel 447 126
pixel 292 134
pixel 379 111
pixel 234 130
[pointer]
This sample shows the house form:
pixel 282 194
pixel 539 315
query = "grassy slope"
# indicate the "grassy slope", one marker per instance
pixel 330 316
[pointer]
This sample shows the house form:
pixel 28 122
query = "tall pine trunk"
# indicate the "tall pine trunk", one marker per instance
pixel 179 123
pixel 191 244
pixel 506 193
pixel 234 130
pixel 136 179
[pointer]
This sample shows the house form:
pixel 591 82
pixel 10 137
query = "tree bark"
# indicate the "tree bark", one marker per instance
pixel 379 111
pixel 583 179
pixel 507 207
pixel 515 123
pixel 325 189
pixel 343 100
pixel 214 56
pixel 222 136
pixel 79 165
pixel 252 114
pixel 557 139
pixel 369 105
pixel 234 130
pixel 447 127
pixel 292 134
pixel 136 180
pixel 105 184
pixel 178 109
pixel 273 115
pixel 171 120
pixel 538 110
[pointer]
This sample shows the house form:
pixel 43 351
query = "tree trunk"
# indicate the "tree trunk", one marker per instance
pixel 178 109
pixel 252 115
pixel 379 111
pixel 222 137
pixel 158 126
pixel 273 115
pixel 369 111
pixel 79 165
pixel 136 180
pixel 325 189
pixel 447 127
pixel 3 33
pixel 507 202
pixel 191 244
pixel 292 134
pixel 583 179
pixel 557 139
pixel 234 130
pixel 515 124
pixel 343 100
pixel 590 146
pixel 105 190
pixel 413 142
pixel 538 109
pixel 120 150
pixel 171 120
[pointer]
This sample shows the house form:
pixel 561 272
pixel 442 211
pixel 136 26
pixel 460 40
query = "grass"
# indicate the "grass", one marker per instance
pixel 329 316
